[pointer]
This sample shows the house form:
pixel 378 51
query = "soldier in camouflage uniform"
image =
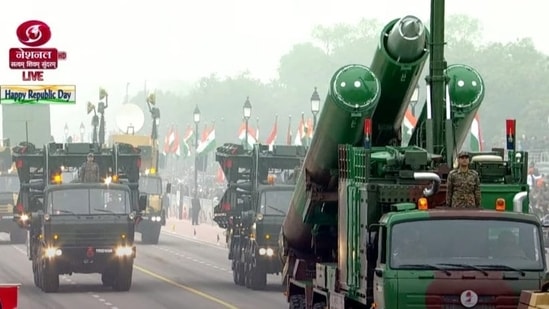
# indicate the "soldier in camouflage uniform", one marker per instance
pixel 463 185
pixel 89 172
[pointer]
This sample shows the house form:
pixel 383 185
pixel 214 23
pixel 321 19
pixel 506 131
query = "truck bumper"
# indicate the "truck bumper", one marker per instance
pixel 87 260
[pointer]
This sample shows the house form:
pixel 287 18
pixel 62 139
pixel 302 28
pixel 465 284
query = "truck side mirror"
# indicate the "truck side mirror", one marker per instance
pixel 168 188
pixel 142 202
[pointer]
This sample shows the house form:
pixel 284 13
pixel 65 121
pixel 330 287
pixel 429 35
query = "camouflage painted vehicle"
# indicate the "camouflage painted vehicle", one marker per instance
pixel 367 225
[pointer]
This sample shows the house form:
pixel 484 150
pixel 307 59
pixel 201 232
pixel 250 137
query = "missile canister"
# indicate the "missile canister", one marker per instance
pixel 466 91
pixel 352 97
pixel 398 62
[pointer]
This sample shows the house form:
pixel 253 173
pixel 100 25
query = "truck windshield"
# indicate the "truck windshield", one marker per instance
pixel 488 244
pixel 150 185
pixel 275 202
pixel 9 183
pixel 89 201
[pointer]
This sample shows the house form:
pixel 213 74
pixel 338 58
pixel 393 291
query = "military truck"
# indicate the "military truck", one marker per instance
pixel 367 225
pixel 9 188
pixel 150 182
pixel 80 227
pixel 260 184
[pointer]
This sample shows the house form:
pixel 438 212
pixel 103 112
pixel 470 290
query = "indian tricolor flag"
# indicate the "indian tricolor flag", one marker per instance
pixel 252 135
pixel 207 141
pixel 271 139
pixel 475 136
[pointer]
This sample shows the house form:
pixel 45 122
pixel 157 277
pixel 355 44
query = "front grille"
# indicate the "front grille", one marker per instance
pixel 101 233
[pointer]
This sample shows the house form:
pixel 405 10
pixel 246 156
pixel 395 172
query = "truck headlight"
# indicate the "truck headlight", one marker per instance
pixel 24 217
pixel 124 251
pixel 47 217
pixel 270 252
pixel 52 252
pixel 131 215
pixel 262 251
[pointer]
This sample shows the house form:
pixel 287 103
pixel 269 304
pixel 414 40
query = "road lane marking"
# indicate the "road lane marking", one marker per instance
pixel 184 287
pixel 187 238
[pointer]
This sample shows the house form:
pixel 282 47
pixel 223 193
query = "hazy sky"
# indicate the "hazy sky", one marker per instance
pixel 110 43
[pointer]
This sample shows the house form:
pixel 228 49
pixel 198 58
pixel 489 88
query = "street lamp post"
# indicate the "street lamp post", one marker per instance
pixel 247 109
pixel 196 202
pixel 414 99
pixel 66 132
pixel 82 131
pixel 315 107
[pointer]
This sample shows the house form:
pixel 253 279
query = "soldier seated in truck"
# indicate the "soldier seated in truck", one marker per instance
pixel 507 246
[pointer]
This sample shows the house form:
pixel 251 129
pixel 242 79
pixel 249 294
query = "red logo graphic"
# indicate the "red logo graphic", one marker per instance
pixel 33 33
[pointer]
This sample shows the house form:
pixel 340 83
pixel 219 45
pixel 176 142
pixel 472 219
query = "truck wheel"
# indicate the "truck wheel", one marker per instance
pixel 297 302
pixel 238 273
pixel 123 279
pixel 49 276
pixel 18 236
pixel 258 278
pixel 107 278
pixel 35 274
pixel 151 234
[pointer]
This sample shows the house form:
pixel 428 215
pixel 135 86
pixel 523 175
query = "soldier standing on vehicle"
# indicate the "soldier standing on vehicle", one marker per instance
pixel 89 172
pixel 463 185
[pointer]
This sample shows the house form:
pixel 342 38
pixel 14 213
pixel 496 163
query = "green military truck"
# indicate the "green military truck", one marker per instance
pixel 367 225
pixel 9 188
pixel 260 185
pixel 80 227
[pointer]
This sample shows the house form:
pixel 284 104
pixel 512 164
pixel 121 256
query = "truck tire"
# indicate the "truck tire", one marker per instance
pixel 151 234
pixel 123 278
pixel 35 274
pixel 258 277
pixel 18 236
pixel 49 277
pixel 296 302
pixel 238 273
pixel 107 279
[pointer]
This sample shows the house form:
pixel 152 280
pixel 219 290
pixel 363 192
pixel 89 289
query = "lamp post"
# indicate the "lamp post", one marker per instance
pixel 414 99
pixel 66 132
pixel 196 202
pixel 315 107
pixel 82 131
pixel 247 109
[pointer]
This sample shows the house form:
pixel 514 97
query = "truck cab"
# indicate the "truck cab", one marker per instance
pixel 475 252
pixel 154 215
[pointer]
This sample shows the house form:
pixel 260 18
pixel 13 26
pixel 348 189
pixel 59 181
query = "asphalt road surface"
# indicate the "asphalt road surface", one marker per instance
pixel 178 273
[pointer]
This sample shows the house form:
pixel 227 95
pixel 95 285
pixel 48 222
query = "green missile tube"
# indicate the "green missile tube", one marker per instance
pixel 398 63
pixel 466 91
pixel 352 97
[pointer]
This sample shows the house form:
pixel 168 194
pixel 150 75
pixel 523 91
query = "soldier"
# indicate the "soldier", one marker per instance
pixel 463 185
pixel 89 172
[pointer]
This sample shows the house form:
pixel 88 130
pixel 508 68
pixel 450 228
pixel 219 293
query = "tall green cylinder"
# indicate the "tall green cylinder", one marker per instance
pixel 352 97
pixel 466 91
pixel 398 62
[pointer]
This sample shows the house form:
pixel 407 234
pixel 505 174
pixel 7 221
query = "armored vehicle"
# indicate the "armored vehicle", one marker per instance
pixel 80 227
pixel 260 185
pixel 367 225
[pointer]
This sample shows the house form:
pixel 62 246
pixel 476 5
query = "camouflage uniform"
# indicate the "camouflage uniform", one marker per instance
pixel 463 189
pixel 89 172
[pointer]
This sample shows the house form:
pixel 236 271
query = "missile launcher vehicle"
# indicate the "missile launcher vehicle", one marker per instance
pixel 260 183
pixel 368 226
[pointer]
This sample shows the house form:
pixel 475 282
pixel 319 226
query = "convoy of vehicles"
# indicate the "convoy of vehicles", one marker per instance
pixel 260 185
pixel 9 188
pixel 79 227
pixel 367 226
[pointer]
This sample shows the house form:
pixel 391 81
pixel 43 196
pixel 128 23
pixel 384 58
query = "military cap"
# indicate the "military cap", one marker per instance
pixel 90 155
pixel 464 154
